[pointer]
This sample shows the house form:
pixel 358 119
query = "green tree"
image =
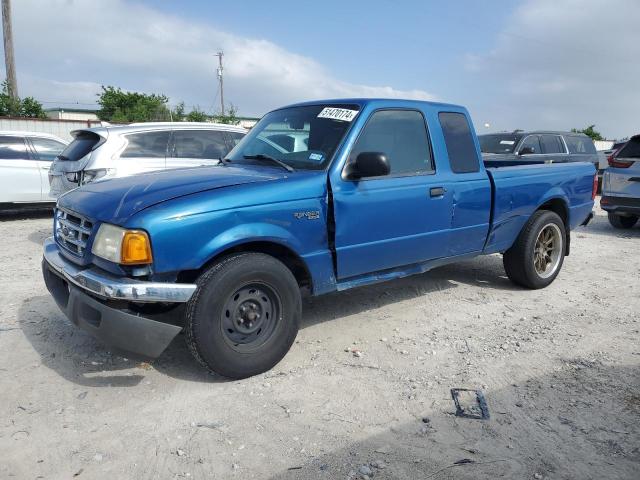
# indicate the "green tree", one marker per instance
pixel 230 118
pixel 117 105
pixel 16 107
pixel 590 131
pixel 177 114
pixel 197 115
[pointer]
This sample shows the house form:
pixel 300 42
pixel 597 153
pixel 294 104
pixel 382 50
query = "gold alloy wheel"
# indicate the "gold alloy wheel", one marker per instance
pixel 548 250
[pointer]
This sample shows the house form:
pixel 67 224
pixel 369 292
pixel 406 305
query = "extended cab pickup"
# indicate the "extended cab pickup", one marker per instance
pixel 320 196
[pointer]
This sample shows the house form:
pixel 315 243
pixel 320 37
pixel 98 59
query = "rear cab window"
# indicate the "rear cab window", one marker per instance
pixel 463 156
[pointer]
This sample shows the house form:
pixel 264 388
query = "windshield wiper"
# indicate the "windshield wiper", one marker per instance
pixel 261 156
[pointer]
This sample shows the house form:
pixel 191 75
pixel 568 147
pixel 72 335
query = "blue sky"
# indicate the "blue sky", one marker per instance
pixel 543 64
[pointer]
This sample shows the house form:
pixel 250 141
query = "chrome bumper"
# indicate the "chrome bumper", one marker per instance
pixel 107 286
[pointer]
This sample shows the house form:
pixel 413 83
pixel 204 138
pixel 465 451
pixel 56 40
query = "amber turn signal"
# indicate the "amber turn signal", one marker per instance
pixel 136 248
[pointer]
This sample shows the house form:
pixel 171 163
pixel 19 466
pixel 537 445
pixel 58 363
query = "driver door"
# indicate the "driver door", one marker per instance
pixel 398 219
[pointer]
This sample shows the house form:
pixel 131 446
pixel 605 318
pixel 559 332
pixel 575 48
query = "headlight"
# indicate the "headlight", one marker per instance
pixel 119 245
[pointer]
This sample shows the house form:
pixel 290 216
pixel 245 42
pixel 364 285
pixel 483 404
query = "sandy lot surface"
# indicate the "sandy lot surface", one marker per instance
pixel 559 368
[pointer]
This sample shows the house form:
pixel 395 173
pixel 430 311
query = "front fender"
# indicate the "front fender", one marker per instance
pixel 248 233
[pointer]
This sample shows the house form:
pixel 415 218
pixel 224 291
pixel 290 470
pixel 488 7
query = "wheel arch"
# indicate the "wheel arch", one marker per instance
pixel 294 262
pixel 559 206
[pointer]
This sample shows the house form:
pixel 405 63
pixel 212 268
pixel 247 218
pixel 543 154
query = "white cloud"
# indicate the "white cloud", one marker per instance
pixel 565 63
pixel 66 49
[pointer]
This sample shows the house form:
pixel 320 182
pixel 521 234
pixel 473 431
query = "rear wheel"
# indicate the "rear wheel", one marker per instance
pixel 536 257
pixel 618 221
pixel 244 315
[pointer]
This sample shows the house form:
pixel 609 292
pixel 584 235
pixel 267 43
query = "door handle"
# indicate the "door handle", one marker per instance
pixel 45 168
pixel 437 191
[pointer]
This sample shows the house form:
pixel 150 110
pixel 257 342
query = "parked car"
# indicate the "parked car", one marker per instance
pixel 117 151
pixel 518 148
pixel 621 185
pixel 380 189
pixel 25 158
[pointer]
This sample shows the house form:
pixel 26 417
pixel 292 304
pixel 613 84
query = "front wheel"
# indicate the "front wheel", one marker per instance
pixel 536 257
pixel 618 221
pixel 244 315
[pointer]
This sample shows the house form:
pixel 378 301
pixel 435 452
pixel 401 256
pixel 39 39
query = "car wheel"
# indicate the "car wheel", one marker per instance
pixel 244 315
pixel 536 257
pixel 618 221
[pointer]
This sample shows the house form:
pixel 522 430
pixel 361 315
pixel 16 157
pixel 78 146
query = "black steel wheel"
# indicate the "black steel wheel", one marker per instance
pixel 249 316
pixel 244 315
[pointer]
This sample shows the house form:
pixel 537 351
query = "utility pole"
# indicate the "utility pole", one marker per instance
pixel 9 60
pixel 220 54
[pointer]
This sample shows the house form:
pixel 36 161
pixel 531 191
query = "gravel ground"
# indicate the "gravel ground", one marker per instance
pixel 559 368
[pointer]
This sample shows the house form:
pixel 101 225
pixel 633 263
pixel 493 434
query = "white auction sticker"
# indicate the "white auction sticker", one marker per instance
pixel 343 114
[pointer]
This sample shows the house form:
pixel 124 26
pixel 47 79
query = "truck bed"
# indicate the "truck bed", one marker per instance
pixel 519 190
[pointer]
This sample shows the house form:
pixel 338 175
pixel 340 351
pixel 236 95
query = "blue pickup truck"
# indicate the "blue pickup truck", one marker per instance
pixel 318 197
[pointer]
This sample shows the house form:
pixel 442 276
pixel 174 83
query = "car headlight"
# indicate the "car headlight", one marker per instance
pixel 119 245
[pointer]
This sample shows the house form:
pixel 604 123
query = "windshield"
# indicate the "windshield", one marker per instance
pixel 499 142
pixel 301 137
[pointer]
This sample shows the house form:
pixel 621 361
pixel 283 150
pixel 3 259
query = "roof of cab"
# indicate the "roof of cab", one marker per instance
pixel 364 101
pixel 152 126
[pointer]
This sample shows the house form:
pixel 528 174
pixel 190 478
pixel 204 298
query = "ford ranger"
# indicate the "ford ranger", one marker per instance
pixel 318 197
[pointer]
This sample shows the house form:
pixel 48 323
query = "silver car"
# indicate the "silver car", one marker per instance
pixel 117 151
pixel 621 185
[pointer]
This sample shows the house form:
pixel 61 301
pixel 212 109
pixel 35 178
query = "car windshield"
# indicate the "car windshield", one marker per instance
pixel 303 137
pixel 499 142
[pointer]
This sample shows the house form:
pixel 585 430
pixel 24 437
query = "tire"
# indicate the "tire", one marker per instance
pixel 244 316
pixel 526 267
pixel 618 221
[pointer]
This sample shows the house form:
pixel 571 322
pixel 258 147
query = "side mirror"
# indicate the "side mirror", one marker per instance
pixel 526 151
pixel 368 164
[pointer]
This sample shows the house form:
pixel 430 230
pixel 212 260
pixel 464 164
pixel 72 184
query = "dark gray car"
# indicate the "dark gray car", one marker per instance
pixel 503 149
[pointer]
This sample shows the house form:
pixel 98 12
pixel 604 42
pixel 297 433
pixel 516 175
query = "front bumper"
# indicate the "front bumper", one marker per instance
pixel 84 297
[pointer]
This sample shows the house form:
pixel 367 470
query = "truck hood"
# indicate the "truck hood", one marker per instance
pixel 118 199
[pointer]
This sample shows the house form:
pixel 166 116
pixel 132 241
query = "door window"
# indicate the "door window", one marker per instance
pixel 203 144
pixel 235 137
pixel 47 149
pixel 551 144
pixel 146 145
pixel 402 136
pixel 461 148
pixel 13 148
pixel 532 141
pixel 580 144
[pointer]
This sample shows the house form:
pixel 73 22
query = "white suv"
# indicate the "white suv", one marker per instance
pixel 117 151
pixel 25 158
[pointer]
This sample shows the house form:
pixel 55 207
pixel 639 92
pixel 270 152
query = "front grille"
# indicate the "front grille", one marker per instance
pixel 72 231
